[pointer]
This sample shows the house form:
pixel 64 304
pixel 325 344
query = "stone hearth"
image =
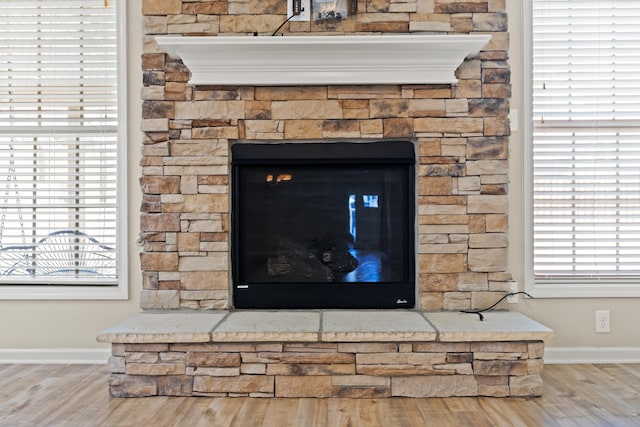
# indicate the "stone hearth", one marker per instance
pixel 357 354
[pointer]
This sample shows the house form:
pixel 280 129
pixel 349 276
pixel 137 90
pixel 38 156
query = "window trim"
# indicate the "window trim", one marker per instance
pixel 551 289
pixel 84 292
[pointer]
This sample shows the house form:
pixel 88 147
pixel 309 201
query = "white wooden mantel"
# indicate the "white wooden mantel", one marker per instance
pixel 323 60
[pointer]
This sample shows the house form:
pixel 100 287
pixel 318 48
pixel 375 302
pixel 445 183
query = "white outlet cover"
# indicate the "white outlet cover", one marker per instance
pixel 602 321
pixel 513 287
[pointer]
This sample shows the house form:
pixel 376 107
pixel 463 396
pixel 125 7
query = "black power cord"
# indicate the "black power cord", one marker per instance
pixel 479 312
pixel 281 25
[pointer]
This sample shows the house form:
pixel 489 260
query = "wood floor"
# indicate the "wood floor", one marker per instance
pixel 76 395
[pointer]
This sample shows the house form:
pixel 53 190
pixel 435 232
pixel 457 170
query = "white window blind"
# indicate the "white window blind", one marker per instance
pixel 58 142
pixel 586 140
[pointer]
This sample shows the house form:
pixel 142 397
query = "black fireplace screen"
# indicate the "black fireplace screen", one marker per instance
pixel 326 225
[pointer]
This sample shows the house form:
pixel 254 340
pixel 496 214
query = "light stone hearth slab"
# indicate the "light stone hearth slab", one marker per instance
pixel 497 326
pixel 163 327
pixel 363 326
pixel 188 326
pixel 267 326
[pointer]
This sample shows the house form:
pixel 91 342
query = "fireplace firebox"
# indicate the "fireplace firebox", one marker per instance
pixel 323 225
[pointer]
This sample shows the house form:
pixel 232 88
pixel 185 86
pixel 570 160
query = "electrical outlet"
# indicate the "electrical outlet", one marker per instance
pixel 513 287
pixel 304 7
pixel 602 321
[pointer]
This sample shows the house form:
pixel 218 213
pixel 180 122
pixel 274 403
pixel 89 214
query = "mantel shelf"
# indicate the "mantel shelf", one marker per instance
pixel 323 60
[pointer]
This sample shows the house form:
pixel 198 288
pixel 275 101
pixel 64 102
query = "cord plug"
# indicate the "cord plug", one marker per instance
pixel 296 7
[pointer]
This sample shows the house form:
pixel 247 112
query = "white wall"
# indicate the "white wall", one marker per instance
pixel 74 324
pixel 573 319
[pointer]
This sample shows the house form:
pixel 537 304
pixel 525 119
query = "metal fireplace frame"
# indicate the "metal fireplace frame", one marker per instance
pixel 362 295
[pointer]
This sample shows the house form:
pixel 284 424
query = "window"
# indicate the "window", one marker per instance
pixel 62 157
pixel 584 228
pixel 370 200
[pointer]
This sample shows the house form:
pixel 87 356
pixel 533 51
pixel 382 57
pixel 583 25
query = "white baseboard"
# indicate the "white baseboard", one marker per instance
pixel 567 355
pixel 78 356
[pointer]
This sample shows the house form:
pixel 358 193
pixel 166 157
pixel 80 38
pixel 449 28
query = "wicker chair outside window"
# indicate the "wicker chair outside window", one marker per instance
pixel 69 253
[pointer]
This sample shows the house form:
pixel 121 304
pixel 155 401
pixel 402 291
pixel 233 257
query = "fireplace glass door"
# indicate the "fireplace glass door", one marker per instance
pixel 326 225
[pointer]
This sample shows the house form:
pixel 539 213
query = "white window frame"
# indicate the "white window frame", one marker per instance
pixel 119 291
pixel 570 288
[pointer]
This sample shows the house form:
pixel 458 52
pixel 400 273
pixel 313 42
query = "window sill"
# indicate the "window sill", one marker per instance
pixel 58 292
pixel 584 290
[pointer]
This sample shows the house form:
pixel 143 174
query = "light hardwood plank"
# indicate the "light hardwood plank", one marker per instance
pixel 77 395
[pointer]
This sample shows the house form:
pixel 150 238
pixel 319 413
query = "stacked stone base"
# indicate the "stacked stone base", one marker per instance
pixel 326 369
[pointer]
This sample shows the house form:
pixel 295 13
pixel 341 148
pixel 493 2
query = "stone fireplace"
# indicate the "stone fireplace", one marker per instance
pixel 452 137
pixel 460 133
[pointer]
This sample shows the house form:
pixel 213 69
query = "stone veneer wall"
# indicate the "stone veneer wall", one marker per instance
pixel 461 133
pixel 353 370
